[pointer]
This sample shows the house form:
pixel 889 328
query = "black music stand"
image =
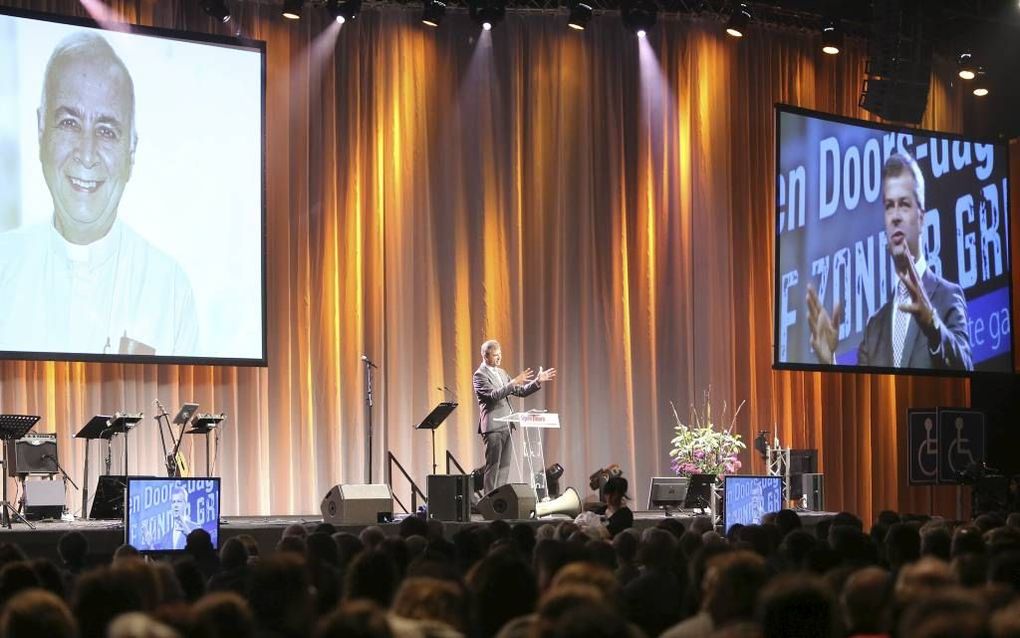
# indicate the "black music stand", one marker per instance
pixel 434 419
pixel 204 424
pixel 122 423
pixel 12 426
pixel 96 428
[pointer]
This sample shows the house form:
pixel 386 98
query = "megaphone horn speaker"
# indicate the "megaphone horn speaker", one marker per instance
pixel 568 503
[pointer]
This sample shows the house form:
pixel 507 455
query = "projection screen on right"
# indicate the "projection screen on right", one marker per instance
pixel 892 248
pixel 131 193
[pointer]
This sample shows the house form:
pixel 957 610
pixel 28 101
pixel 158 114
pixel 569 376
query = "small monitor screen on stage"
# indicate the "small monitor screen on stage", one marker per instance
pixel 892 248
pixel 163 511
pixel 747 498
pixel 131 193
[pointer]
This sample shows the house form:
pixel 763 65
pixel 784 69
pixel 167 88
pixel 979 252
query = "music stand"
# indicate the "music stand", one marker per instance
pixel 122 423
pixel 204 424
pixel 13 426
pixel 96 428
pixel 434 419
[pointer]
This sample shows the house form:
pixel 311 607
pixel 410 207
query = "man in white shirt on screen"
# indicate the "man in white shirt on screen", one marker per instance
pixel 84 281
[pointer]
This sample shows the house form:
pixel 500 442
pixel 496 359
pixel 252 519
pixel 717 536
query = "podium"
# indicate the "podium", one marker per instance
pixel 531 461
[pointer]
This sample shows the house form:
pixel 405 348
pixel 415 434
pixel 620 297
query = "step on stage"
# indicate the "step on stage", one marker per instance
pixel 105 536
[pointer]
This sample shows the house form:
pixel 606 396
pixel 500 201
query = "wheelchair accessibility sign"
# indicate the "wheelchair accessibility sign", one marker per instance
pixel 922 447
pixel 961 443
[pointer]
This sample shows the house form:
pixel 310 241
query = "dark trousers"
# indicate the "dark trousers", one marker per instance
pixel 497 458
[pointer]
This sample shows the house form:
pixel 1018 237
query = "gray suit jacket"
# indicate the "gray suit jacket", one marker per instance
pixel 493 391
pixel 953 351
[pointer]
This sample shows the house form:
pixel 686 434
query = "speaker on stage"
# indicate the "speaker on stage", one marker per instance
pixel 449 496
pixel 358 504
pixel 32 454
pixel 44 499
pixel 810 485
pixel 108 502
pixel 510 501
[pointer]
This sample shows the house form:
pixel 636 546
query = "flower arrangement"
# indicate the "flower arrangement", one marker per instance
pixel 700 448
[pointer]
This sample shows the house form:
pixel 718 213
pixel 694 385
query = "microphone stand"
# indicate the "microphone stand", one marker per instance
pixel 368 409
pixel 67 479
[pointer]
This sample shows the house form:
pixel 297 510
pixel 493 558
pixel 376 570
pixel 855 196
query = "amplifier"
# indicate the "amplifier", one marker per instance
pixel 32 454
pixel 44 499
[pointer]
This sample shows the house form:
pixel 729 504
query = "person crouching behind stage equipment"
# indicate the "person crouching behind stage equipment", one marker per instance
pixel 493 387
pixel 618 515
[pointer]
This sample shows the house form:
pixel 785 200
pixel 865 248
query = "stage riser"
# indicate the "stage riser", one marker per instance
pixel 105 537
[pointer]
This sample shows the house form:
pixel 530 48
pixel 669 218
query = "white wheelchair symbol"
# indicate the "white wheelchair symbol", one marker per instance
pixel 961 451
pixel 928 449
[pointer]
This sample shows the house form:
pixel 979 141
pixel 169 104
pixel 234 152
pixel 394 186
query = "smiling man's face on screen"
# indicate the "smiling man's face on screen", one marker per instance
pixel 86 139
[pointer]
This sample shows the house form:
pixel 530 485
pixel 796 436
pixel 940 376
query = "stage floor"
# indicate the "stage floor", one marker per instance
pixel 105 536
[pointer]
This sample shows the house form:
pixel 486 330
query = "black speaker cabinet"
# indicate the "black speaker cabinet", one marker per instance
pixel 44 499
pixel 32 454
pixel 510 501
pixel 810 485
pixel 449 496
pixel 108 502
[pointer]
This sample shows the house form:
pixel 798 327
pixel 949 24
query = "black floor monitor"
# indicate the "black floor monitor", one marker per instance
pixel 109 500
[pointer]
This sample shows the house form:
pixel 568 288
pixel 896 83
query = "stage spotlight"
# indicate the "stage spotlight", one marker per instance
pixel 552 479
pixel 639 15
pixel 832 38
pixel 980 83
pixel 740 17
pixel 344 10
pixel 432 12
pixel 487 13
pixel 217 9
pixel 968 70
pixel 291 9
pixel 580 16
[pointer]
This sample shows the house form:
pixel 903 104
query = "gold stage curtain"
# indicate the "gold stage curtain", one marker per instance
pixel 598 206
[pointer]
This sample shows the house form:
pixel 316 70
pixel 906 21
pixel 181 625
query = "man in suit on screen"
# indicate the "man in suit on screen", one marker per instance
pixel 493 387
pixel 924 325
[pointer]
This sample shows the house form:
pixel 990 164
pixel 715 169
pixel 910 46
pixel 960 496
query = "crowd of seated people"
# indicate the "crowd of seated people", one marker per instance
pixel 906 576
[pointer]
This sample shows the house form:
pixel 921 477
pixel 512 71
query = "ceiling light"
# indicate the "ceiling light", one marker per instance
pixel 580 16
pixel 217 9
pixel 968 70
pixel 639 15
pixel 345 10
pixel 432 12
pixel 832 38
pixel 487 12
pixel 291 9
pixel 739 19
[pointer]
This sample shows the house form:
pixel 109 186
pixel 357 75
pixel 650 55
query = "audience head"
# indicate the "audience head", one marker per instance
pixel 355 619
pixel 233 554
pixel 280 597
pixel 434 600
pixel 731 586
pixel 503 587
pixel 414 526
pixel 865 601
pixel 223 615
pixel 371 575
pixel 902 545
pixel 73 547
pixel 35 613
pixel 796 606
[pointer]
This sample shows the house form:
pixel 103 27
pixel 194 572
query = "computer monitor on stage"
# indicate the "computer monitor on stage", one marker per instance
pixel 162 512
pixel 804 461
pixel 748 498
pixel 667 491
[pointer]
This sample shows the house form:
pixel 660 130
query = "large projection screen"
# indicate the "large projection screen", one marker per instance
pixel 857 203
pixel 132 194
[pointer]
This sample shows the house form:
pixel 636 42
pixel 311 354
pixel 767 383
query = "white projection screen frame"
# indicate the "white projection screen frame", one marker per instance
pixel 144 247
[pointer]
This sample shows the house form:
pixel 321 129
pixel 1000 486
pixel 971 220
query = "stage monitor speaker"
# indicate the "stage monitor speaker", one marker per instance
pixel 44 499
pixel 449 497
pixel 510 501
pixel 32 454
pixel 358 504
pixel 811 486
pixel 108 502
